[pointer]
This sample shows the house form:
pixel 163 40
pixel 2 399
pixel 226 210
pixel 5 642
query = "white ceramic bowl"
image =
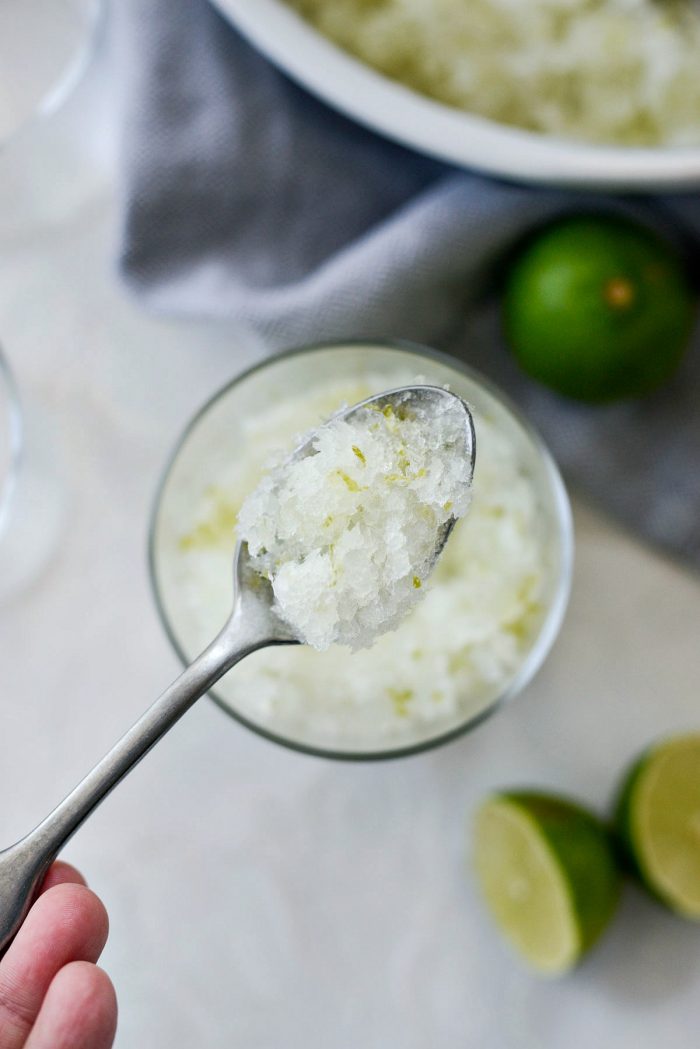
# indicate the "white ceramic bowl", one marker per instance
pixel 441 131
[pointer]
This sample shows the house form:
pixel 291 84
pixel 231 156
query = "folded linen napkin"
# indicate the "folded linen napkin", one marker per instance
pixel 246 198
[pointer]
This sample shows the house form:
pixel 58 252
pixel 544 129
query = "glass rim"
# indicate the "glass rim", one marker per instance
pixel 14 425
pixel 53 96
pixel 554 615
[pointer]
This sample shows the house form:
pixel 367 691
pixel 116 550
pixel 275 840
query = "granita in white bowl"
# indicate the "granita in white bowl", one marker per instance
pixel 487 615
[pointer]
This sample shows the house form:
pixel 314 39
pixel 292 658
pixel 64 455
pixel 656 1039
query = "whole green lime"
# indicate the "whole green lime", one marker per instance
pixel 598 308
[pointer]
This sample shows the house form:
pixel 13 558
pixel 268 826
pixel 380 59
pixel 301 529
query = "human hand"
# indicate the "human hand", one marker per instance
pixel 52 995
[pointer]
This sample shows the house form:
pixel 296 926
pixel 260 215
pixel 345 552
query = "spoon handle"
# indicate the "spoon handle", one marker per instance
pixel 23 865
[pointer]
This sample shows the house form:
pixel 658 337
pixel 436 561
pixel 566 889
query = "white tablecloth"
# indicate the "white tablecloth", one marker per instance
pixel 260 899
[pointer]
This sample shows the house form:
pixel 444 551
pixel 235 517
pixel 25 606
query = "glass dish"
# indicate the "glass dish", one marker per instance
pixel 206 446
pixel 10 442
pixel 31 493
pixel 45 46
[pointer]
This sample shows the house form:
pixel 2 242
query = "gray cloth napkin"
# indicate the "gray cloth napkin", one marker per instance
pixel 246 198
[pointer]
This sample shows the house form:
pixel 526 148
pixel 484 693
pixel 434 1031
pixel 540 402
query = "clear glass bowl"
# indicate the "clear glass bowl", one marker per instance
pixel 10 442
pixel 215 434
pixel 45 46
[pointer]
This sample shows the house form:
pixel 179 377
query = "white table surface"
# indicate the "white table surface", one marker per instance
pixel 261 899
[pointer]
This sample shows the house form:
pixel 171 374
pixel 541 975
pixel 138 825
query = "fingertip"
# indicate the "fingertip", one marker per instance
pixel 60 873
pixel 78 1012
pixel 67 923
pixel 72 915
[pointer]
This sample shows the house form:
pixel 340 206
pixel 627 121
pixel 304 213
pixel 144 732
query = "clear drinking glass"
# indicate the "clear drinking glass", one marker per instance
pixel 10 442
pixel 44 48
pixel 216 435
pixel 31 493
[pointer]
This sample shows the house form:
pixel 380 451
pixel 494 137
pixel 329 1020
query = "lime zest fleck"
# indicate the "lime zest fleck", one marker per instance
pixel 403 462
pixel 358 452
pixel 215 530
pixel 400 698
pixel 348 481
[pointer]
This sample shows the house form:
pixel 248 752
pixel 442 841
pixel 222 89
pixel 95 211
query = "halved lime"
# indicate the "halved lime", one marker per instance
pixel 548 872
pixel 658 820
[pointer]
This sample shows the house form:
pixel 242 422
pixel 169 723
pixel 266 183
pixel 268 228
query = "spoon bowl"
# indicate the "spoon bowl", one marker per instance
pixel 403 398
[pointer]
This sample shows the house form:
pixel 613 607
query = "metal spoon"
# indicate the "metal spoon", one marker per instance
pixel 253 624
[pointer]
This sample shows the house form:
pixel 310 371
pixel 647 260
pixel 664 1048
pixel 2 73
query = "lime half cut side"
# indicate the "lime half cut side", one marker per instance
pixel 548 873
pixel 658 819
